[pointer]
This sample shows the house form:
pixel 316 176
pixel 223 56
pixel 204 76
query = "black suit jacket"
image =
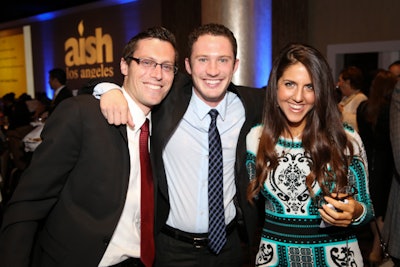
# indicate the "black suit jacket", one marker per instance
pixel 68 202
pixel 165 119
pixel 62 95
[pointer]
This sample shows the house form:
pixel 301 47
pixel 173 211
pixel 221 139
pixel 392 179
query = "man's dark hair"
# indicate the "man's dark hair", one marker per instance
pixel 397 62
pixel 58 74
pixel 212 29
pixel 354 75
pixel 154 32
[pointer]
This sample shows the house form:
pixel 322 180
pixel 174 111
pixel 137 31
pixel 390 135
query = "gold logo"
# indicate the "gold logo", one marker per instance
pixel 89 57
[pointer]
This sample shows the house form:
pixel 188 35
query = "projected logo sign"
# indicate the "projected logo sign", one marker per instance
pixel 90 56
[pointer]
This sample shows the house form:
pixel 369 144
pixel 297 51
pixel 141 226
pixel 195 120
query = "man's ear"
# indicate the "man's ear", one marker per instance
pixel 187 66
pixel 124 67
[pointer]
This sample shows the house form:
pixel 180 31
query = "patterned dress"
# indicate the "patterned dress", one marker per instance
pixel 294 233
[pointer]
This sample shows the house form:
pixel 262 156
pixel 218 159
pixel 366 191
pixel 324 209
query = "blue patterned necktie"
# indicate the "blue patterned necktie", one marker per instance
pixel 216 224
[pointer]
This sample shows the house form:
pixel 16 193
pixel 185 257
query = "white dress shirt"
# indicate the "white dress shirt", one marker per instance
pixel 125 241
pixel 186 162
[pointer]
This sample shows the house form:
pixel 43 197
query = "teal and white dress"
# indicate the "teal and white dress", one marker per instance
pixel 293 232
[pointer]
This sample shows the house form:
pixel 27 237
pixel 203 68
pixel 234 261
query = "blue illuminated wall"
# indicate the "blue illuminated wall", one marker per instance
pixel 49 57
pixel 263 42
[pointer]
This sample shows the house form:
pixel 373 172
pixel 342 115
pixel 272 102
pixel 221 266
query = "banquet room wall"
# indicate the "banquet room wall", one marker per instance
pixel 357 21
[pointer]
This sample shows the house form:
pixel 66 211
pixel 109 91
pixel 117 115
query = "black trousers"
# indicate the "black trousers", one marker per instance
pixel 172 252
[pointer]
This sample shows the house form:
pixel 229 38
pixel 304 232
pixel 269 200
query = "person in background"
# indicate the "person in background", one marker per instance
pixel 79 203
pixel 373 125
pixel 39 112
pixel 181 151
pixel 311 170
pixel 395 69
pixel 87 88
pixel 16 110
pixel 350 84
pixel 42 108
pixel 391 234
pixel 15 160
pixel 57 82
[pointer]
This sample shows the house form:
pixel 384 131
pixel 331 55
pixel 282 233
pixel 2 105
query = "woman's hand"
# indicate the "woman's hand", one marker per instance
pixel 340 212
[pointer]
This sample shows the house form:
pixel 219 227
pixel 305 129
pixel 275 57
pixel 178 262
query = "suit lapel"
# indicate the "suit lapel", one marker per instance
pixel 166 118
pixel 123 132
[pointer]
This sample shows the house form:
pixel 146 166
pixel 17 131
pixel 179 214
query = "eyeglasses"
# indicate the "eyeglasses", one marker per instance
pixel 343 193
pixel 148 63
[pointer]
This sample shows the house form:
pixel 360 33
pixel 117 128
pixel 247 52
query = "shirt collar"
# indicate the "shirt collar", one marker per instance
pixel 137 114
pixel 201 109
pixel 57 91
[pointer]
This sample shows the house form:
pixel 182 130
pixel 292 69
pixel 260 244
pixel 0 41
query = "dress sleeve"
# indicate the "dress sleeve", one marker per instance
pixel 358 176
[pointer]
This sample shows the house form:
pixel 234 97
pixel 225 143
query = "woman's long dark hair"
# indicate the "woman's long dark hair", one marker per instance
pixel 323 138
pixel 380 94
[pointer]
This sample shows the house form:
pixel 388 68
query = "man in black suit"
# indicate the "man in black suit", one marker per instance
pixel 79 201
pixel 58 81
pixel 180 152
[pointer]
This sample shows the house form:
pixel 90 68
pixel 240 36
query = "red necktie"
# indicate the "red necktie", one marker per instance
pixel 147 199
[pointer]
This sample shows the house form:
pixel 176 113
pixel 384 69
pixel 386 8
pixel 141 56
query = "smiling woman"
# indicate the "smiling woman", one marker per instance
pixel 304 154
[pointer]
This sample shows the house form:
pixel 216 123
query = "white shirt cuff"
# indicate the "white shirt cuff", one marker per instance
pixel 104 87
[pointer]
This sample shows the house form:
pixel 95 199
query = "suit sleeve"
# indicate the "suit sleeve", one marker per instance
pixel 40 185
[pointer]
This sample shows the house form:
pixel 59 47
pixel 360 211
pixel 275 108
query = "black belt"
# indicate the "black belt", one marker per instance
pixel 197 240
pixel 130 262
